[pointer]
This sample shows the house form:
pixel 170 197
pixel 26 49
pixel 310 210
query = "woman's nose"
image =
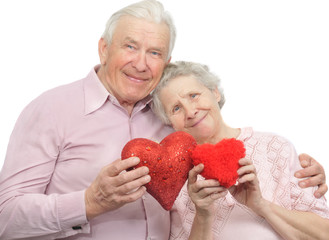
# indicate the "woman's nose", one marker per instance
pixel 190 110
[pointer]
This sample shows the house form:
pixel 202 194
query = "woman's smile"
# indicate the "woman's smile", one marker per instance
pixel 196 123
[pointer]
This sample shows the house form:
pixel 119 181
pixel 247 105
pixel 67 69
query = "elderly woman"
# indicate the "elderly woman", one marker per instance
pixel 267 202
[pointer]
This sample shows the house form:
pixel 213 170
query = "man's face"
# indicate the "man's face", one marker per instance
pixel 134 61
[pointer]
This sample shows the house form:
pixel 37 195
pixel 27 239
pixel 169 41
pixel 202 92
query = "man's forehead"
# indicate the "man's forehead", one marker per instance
pixel 135 30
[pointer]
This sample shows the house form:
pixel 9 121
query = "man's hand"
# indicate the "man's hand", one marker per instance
pixel 114 187
pixel 314 173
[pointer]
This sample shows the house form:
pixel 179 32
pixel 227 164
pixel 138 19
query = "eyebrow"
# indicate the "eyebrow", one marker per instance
pixel 133 41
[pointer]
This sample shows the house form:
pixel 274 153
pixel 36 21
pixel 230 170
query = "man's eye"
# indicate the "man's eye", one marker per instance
pixel 155 53
pixel 130 47
pixel 194 95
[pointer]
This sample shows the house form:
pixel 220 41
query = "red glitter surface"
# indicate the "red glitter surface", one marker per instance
pixel 169 163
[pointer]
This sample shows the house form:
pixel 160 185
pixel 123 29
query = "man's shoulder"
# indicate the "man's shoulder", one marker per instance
pixel 65 90
pixel 58 98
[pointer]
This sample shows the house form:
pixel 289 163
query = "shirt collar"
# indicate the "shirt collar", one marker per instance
pixel 96 94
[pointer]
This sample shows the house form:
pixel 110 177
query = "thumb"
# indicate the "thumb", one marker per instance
pixel 193 174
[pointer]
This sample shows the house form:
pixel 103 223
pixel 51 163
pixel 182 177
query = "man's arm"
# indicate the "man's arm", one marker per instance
pixel 314 174
pixel 26 211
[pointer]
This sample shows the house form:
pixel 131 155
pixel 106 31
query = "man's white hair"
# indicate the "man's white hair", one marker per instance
pixel 150 10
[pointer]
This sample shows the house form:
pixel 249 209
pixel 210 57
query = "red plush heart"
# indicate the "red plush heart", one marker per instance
pixel 169 163
pixel 220 160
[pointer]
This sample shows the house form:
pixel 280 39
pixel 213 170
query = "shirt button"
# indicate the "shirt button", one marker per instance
pixel 143 197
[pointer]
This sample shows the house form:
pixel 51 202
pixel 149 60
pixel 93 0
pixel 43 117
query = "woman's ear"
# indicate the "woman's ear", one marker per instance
pixel 217 94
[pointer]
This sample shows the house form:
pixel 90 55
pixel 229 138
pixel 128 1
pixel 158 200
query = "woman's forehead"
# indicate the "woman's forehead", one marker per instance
pixel 184 83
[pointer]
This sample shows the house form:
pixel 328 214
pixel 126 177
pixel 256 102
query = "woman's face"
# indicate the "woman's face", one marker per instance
pixel 192 107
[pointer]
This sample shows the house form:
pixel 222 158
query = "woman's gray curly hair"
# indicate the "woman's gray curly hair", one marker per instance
pixel 181 68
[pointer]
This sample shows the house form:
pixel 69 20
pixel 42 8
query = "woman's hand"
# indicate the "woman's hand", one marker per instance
pixel 247 191
pixel 204 192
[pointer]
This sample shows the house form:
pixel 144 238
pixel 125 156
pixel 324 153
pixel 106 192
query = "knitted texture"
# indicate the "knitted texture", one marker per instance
pixel 276 161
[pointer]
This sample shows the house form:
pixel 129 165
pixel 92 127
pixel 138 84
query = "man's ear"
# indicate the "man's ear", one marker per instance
pixel 169 60
pixel 102 50
pixel 217 94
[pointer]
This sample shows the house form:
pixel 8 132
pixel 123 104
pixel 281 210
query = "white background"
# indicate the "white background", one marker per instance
pixel 272 57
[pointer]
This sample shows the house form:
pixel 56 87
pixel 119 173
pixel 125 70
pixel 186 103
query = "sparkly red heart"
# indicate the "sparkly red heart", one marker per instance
pixel 220 160
pixel 169 163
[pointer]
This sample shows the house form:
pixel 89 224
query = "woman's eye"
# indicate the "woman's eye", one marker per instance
pixel 176 108
pixel 194 95
pixel 130 47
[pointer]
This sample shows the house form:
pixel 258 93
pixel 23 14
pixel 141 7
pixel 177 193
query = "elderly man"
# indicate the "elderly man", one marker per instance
pixel 62 177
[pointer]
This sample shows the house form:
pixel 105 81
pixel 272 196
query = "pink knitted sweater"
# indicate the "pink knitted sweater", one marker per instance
pixel 276 161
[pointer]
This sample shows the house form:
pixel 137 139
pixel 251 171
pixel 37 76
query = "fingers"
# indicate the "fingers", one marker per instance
pixel 305 160
pixel 219 194
pixel 311 168
pixel 193 173
pixel 119 165
pixel 195 185
pixel 125 182
pixel 114 187
pixel 203 192
pixel 205 188
pixel 247 173
pixel 314 181
pixel 314 174
pixel 323 188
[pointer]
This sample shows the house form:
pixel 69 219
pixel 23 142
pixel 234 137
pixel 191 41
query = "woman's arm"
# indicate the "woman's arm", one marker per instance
pixel 290 224
pixel 203 194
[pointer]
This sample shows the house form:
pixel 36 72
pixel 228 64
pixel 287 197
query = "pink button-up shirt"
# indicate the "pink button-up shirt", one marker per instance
pixel 58 146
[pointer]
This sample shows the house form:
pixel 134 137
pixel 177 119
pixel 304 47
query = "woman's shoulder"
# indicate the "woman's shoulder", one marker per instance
pixel 249 135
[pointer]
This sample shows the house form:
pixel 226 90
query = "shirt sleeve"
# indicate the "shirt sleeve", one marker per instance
pixel 303 199
pixel 26 211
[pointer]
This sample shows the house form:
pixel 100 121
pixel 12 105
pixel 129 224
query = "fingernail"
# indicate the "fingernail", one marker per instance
pixel 135 160
pixel 317 195
pixel 297 175
pixel 302 184
pixel 147 178
pixel 304 163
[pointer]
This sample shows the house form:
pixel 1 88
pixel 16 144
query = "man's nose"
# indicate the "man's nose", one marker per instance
pixel 140 62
